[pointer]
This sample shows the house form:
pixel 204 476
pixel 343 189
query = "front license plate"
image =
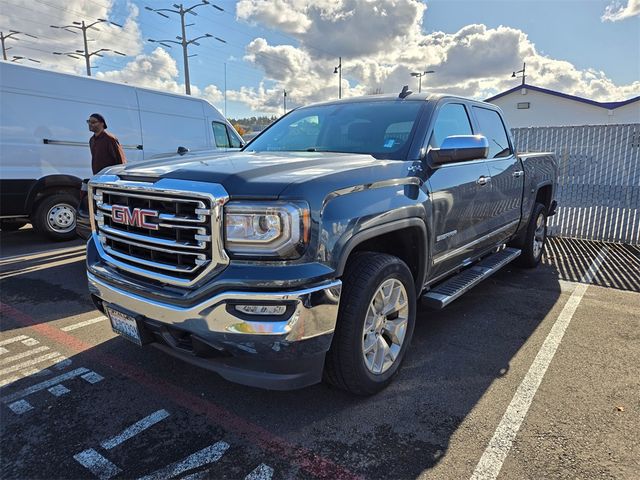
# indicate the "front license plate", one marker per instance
pixel 124 325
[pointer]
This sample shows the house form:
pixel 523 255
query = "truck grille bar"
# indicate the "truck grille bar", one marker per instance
pixel 181 241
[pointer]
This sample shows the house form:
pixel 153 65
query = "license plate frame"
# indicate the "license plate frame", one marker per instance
pixel 124 324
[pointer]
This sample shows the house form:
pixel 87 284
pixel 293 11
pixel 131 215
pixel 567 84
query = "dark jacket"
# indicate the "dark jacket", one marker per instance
pixel 105 151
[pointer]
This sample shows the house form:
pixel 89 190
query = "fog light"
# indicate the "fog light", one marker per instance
pixel 262 309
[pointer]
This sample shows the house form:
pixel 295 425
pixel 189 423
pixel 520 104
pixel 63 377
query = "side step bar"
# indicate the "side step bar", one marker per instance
pixel 443 294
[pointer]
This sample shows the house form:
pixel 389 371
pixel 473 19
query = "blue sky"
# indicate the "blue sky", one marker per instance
pixel 277 45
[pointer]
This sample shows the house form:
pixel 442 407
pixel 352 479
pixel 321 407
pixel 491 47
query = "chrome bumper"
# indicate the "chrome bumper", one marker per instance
pixel 311 312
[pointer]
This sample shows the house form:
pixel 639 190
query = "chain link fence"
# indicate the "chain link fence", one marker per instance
pixel 598 179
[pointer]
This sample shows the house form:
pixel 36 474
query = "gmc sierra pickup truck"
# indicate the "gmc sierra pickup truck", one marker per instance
pixel 304 256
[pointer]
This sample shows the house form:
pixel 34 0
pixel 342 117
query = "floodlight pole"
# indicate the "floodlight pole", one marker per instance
pixel 4 37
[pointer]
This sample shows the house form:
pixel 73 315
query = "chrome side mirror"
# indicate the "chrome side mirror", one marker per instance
pixel 460 148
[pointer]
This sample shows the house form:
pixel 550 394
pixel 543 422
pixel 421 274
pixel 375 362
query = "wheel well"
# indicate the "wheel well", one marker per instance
pixel 38 197
pixel 407 244
pixel 544 196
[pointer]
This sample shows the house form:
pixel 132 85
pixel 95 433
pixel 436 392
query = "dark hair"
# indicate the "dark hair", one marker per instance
pixel 100 118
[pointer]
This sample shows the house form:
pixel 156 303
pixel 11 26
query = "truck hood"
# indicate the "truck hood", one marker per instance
pixel 255 174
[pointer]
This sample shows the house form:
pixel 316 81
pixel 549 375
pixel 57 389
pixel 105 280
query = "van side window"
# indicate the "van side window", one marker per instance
pixel 452 120
pixel 234 139
pixel 220 135
pixel 491 126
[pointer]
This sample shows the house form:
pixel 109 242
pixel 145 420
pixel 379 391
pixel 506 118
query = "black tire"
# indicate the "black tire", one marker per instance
pixel 12 225
pixel 345 365
pixel 531 255
pixel 61 226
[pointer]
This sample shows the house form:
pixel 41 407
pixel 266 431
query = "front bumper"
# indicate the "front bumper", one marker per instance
pixel 283 352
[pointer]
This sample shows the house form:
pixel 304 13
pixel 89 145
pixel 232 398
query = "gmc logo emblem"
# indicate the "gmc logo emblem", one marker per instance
pixel 136 217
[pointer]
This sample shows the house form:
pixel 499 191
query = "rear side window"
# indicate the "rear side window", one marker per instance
pixel 452 120
pixel 220 135
pixel 491 126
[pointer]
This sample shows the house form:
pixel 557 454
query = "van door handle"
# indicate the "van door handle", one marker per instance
pixel 483 180
pixel 518 173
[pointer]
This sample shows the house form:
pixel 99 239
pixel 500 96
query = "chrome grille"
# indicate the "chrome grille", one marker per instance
pixel 186 245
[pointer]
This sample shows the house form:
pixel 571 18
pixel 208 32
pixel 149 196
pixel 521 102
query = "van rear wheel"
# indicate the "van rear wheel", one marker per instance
pixel 55 216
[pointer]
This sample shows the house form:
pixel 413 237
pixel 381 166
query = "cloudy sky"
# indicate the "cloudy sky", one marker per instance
pixel 589 48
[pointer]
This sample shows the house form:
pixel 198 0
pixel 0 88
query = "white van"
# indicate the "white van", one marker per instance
pixel 44 138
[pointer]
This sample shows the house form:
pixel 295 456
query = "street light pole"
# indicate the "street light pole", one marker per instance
pixel 85 53
pixel 420 75
pixel 11 33
pixel 184 43
pixel 338 70
pixel 523 71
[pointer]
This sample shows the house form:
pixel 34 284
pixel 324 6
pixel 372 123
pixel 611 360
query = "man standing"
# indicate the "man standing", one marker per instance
pixel 105 148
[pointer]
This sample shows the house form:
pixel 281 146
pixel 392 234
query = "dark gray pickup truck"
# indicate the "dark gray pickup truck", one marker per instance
pixel 305 255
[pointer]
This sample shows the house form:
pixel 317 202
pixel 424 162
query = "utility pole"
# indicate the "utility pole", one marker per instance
pixel 225 89
pixel 11 33
pixel 85 53
pixel 284 99
pixel 180 10
pixel 523 71
pixel 338 70
pixel 420 75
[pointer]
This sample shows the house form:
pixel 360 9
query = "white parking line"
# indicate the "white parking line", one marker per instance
pixel 30 363
pixel 496 452
pixel 43 385
pixel 262 472
pixel 20 407
pixel 211 454
pixel 97 464
pixel 12 340
pixel 28 353
pixel 135 429
pixel 75 326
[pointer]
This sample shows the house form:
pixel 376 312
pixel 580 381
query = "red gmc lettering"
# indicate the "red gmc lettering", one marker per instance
pixel 136 217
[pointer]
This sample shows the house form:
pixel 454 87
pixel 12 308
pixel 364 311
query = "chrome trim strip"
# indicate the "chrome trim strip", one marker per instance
pixel 447 255
pixel 369 186
pixel 114 191
pixel 149 263
pixel 153 240
pixel 150 247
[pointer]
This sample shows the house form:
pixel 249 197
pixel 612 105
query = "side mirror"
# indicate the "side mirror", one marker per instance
pixel 182 150
pixel 460 148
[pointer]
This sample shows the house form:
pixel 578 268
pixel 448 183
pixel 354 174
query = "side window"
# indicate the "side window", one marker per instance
pixel 452 120
pixel 491 126
pixel 234 139
pixel 220 135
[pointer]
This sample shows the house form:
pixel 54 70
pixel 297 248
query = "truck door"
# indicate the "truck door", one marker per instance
pixel 460 195
pixel 507 173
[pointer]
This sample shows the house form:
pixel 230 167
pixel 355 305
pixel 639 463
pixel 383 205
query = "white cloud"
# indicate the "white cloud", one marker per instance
pixel 35 17
pixel 617 11
pixel 158 70
pixel 381 42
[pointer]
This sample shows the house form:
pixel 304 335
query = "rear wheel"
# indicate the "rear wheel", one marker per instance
pixel 55 216
pixel 375 324
pixel 535 238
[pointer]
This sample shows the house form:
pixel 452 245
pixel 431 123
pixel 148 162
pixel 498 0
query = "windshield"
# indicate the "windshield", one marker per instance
pixel 380 128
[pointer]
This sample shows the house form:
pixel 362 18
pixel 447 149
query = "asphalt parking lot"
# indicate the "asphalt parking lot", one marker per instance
pixel 474 394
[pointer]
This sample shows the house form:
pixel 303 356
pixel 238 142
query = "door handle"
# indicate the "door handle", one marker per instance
pixel 518 173
pixel 483 180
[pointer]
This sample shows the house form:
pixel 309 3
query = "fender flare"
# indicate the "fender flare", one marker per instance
pixel 51 182
pixel 383 229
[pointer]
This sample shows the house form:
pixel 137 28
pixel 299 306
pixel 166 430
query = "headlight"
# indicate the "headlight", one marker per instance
pixel 266 229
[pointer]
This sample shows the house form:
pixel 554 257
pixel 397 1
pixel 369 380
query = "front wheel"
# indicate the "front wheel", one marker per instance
pixel 535 238
pixel 55 216
pixel 375 324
